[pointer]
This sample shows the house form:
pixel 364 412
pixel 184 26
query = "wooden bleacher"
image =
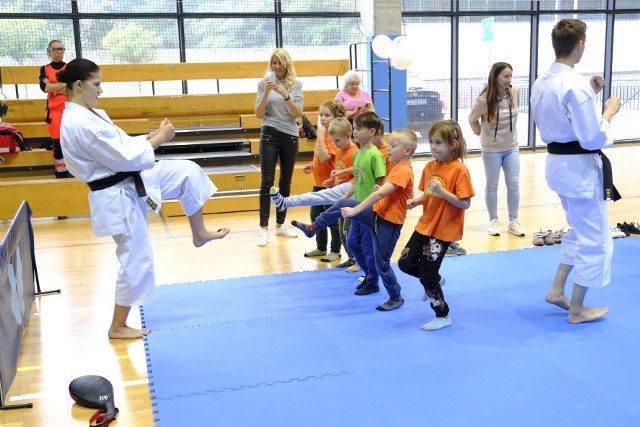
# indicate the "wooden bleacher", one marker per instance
pixel 219 131
pixel 184 110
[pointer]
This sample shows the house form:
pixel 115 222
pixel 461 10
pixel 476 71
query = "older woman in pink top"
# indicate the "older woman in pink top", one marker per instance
pixel 356 100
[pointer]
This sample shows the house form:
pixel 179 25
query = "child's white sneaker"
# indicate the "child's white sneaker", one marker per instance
pixel 437 323
pixel 263 238
pixel 284 231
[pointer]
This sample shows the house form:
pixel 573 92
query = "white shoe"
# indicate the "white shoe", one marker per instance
pixel 494 228
pixel 283 231
pixel 263 238
pixel 437 323
pixel 616 233
pixel 515 228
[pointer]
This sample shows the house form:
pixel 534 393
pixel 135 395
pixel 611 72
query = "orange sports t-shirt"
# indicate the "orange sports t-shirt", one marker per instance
pixel 344 160
pixel 441 219
pixel 385 152
pixel 393 207
pixel 322 171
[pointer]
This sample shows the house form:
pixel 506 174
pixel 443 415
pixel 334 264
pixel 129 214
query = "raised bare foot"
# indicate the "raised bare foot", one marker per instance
pixel 202 239
pixel 127 333
pixel 586 314
pixel 557 299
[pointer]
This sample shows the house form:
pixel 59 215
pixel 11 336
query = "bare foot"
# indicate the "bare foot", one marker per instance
pixel 586 314
pixel 202 239
pixel 127 333
pixel 557 299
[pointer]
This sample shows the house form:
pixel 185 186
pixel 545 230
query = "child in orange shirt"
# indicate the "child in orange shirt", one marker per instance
pixel 324 159
pixel 447 194
pixel 340 131
pixel 384 211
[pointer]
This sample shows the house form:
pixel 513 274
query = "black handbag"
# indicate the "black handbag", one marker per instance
pixel 307 130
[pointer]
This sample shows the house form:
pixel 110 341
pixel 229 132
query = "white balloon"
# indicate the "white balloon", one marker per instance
pixel 401 62
pixel 399 40
pixel 402 57
pixel 382 46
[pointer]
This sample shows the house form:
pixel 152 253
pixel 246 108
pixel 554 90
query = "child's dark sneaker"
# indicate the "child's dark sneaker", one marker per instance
pixel 455 249
pixel 391 304
pixel 346 264
pixel 331 256
pixel 367 290
pixel 308 230
pixel 363 282
pixel 315 253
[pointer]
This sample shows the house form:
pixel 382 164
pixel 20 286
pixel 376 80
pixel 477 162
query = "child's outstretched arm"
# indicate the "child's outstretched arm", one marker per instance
pixel 436 187
pixel 373 198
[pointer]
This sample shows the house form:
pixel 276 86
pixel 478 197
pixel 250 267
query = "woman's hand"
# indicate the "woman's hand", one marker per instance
pixel 277 87
pixel 166 131
pixel 476 128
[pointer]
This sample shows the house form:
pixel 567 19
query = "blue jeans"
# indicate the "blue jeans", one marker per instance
pixel 509 161
pixel 384 235
pixel 321 236
pixel 371 240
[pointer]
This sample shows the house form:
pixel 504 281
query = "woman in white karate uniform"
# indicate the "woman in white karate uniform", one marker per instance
pixel 112 163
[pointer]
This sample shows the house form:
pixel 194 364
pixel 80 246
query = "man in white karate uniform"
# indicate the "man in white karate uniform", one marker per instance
pixel 564 107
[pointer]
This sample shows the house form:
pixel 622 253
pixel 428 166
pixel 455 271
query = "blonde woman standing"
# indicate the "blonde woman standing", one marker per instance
pixel 279 102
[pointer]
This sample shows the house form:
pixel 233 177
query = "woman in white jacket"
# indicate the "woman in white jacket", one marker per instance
pixel 125 179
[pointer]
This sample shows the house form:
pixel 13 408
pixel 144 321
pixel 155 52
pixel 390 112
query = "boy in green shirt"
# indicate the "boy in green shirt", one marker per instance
pixel 369 170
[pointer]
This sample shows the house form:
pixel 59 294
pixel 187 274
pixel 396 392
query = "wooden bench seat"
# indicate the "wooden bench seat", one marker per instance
pixel 195 117
pixel 28 74
pixel 67 197
pixel 38 129
pixel 250 121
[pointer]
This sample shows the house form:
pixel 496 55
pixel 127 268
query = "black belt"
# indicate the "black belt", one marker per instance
pixel 574 147
pixel 110 181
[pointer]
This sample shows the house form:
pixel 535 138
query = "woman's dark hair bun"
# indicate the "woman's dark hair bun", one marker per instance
pixel 78 69
pixel 60 75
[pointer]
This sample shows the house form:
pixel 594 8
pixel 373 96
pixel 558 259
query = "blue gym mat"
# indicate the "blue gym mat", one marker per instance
pixel 299 349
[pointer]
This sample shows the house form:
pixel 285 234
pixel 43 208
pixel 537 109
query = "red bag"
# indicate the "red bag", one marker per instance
pixel 11 141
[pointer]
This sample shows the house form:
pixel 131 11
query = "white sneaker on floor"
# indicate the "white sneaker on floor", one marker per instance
pixel 616 233
pixel 494 228
pixel 263 238
pixel 283 231
pixel 437 323
pixel 515 228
